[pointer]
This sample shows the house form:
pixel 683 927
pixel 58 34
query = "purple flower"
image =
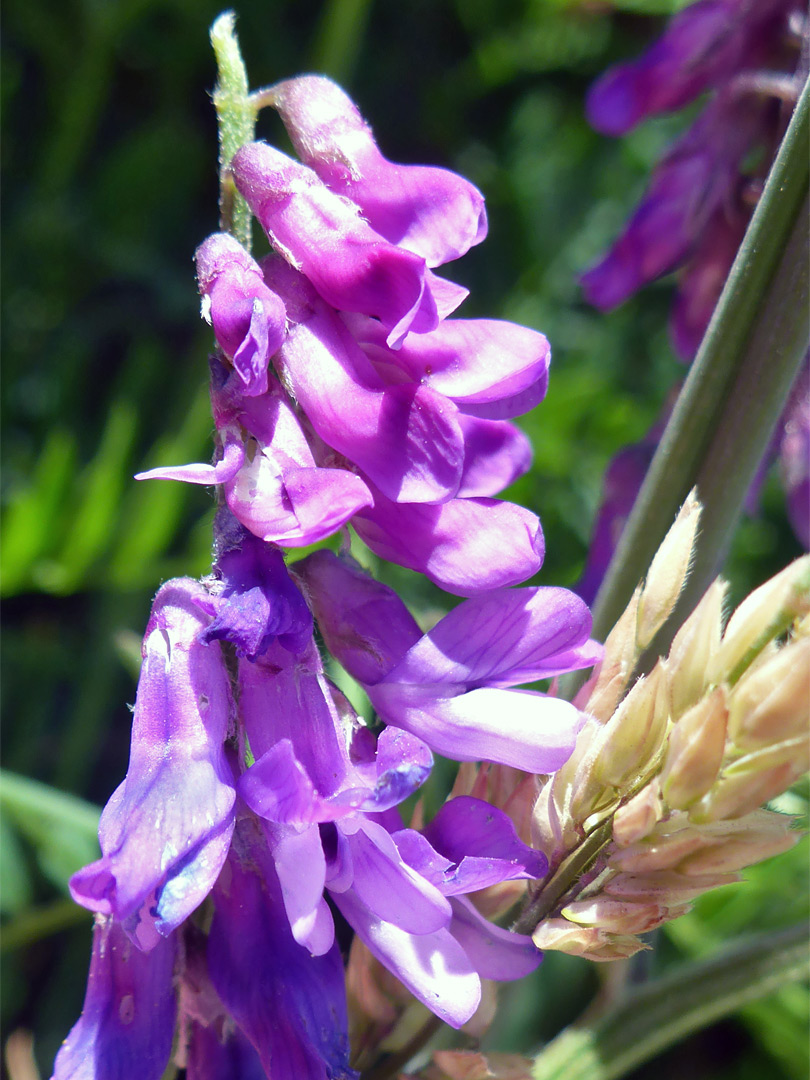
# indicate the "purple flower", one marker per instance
pixel 431 212
pixel 452 686
pixel 794 454
pixel 289 1004
pixel 704 45
pixel 126 1027
pixel 165 831
pixel 272 484
pixel 248 319
pixel 351 266
pixel 405 436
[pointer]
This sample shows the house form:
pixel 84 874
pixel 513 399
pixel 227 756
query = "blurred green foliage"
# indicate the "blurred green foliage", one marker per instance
pixel 111 182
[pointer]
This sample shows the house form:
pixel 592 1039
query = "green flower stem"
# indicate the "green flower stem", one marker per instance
pixel 236 117
pixel 735 392
pixel 658 1014
pixel 40 922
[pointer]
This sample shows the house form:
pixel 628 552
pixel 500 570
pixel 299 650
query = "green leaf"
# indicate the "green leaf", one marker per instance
pixel 15 880
pixel 660 1013
pixel 62 828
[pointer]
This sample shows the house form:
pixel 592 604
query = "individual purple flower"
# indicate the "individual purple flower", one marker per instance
pixel 452 686
pixel 271 482
pixel 690 185
pixel 465 546
pixel 290 1005
pixel 703 45
pixel 166 830
pixel 432 212
pixel 323 235
pixel 247 317
pixel 404 436
pixel 255 602
pixel 127 1023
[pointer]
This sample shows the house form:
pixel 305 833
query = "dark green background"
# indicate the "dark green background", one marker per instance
pixel 109 159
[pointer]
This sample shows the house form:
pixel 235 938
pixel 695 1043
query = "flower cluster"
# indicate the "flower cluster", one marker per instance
pixel 666 784
pixel 258 820
pixel 750 58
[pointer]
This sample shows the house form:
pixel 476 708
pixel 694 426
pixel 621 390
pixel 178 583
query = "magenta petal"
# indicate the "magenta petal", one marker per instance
pixel 403 764
pixel 434 967
pixel 521 728
pixel 794 457
pixel 299 861
pixel 504 638
pixel 289 1004
pixel 166 828
pixel 405 437
pixel 126 1027
pixel 495 953
pixel 387 886
pixel 493 368
pixel 496 453
pixel 233 456
pixel 364 623
pixel 465 546
pixel 248 318
pixel 350 265
pixel 480 840
pixel 433 212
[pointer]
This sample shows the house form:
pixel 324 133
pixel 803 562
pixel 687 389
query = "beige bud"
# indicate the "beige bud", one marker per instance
pixel 656 852
pixel 639 816
pixel 588 941
pixel 736 794
pixel 618 663
pixel 630 741
pixel 665 886
pixel 693 649
pixel 694 751
pixel 756 837
pixel 616 916
pixel 767 611
pixel 668 572
pixel 771 703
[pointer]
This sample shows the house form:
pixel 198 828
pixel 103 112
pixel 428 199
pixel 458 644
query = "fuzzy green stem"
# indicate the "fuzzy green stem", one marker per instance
pixel 236 118
pixel 735 392
pixel 661 1013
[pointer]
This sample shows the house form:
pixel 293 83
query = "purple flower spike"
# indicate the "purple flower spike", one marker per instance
pixel 429 211
pixel 465 546
pixel 248 319
pixel 165 832
pixel 703 45
pixel 127 1023
pixel 259 601
pixel 406 438
pixel 350 265
pixel 291 1005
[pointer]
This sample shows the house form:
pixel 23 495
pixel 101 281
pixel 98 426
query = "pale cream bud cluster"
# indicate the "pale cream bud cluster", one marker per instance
pixel 663 796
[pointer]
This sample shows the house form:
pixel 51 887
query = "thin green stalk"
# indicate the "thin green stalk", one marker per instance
pixel 735 392
pixel 658 1014
pixel 236 117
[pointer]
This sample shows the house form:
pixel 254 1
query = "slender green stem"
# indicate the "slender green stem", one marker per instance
pixel 41 922
pixel 659 1014
pixel 735 392
pixel 236 116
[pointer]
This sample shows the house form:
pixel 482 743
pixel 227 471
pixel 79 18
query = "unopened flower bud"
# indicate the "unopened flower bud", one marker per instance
pixel 665 887
pixel 784 598
pixel 668 572
pixel 621 654
pixel 692 651
pixel 638 817
pixel 738 793
pixel 564 936
pixel 632 738
pixel 616 916
pixel 741 843
pixel 657 852
pixel 695 751
pixel 772 703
